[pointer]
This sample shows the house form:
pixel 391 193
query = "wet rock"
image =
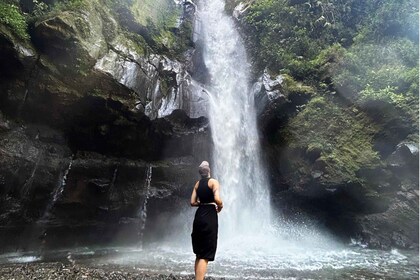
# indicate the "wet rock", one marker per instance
pixel 73 38
pixel 406 156
pixel 4 124
pixel 397 227
pixel 313 152
pixel 268 95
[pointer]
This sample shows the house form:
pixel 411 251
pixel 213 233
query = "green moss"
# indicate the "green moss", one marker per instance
pixel 294 87
pixel 288 36
pixel 157 22
pixel 155 11
pixel 97 92
pixel 43 11
pixel 136 42
pixel 69 5
pixel 293 36
pixel 391 64
pixel 165 39
pixel 83 67
pixel 343 137
pixel 11 16
pixel 161 17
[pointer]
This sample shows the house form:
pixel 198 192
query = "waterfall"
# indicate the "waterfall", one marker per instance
pixel 142 213
pixel 236 157
pixel 57 192
pixel 114 178
pixel 28 183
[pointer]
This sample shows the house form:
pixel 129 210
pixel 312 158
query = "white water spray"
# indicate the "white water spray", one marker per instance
pixel 142 213
pixel 236 155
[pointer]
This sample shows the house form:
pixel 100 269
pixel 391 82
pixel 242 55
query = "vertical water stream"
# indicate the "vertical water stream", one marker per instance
pixel 236 156
pixel 142 212
pixel 57 192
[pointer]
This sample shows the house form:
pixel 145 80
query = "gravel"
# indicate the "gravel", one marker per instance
pixel 60 271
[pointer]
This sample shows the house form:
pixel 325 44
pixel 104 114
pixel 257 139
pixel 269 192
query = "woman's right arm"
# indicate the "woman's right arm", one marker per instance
pixel 194 198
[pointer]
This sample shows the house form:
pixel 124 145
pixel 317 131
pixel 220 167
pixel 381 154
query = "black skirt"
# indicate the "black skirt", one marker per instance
pixel 204 235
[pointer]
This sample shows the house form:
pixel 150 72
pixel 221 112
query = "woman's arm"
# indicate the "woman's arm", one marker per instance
pixel 216 192
pixel 194 198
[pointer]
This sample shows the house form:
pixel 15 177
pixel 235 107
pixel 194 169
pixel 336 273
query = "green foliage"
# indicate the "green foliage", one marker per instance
pixel 138 43
pixel 390 19
pixel 157 21
pixel 344 137
pixel 69 5
pixel 405 104
pixel 161 13
pixel 387 95
pixel 12 17
pixel 291 34
pixel 161 17
pixel 293 87
pixel 362 57
pixel 394 64
pixel 40 9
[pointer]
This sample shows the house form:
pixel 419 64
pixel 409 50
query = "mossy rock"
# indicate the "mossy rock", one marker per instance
pixel 296 92
pixel 336 135
pixel 73 38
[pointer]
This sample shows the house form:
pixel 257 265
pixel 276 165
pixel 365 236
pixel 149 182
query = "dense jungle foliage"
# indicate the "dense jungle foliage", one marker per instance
pixel 368 49
pixel 361 56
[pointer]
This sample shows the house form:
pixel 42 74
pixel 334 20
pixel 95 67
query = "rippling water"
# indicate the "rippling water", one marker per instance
pixel 347 262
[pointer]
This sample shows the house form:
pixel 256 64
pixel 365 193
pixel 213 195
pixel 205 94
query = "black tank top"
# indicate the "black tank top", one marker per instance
pixel 204 193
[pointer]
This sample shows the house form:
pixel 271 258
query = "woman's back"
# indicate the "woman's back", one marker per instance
pixel 204 192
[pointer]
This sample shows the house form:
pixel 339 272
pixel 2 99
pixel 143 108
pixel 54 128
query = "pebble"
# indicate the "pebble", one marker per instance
pixel 60 271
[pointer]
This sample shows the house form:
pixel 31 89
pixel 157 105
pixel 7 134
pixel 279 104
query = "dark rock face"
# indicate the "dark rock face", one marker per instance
pixel 84 198
pixel 395 227
pixel 84 115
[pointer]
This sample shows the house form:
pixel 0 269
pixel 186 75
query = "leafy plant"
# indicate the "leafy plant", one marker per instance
pixel 69 5
pixel 344 138
pixel 11 16
pixel 40 8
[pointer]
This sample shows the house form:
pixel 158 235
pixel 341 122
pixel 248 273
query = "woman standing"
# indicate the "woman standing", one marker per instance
pixel 206 197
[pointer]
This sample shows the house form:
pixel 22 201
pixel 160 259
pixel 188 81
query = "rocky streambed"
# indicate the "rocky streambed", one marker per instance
pixel 62 271
pixel 350 262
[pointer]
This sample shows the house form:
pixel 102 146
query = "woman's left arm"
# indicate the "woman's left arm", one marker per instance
pixel 216 192
pixel 194 198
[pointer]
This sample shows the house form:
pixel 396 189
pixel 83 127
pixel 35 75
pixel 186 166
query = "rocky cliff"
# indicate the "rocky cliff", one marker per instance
pixel 338 112
pixel 94 96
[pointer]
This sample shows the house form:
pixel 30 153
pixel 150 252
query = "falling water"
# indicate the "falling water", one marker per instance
pixel 114 178
pixel 58 191
pixel 252 246
pixel 28 183
pixel 236 155
pixel 142 213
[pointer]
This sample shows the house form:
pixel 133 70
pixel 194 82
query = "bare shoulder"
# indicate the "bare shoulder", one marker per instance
pixel 196 185
pixel 213 183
